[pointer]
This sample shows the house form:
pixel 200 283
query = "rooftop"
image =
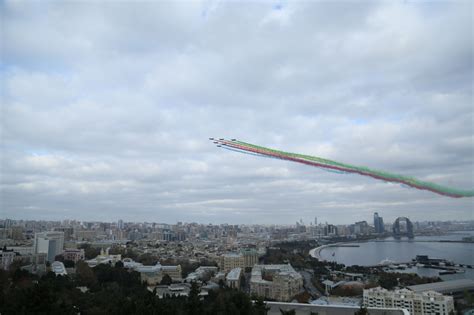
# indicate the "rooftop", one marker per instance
pixel 234 274
pixel 444 286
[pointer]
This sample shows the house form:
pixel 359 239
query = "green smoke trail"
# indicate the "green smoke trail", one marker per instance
pixel 413 182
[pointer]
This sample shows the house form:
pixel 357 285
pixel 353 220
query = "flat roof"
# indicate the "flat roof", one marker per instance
pixel 234 274
pixel 444 286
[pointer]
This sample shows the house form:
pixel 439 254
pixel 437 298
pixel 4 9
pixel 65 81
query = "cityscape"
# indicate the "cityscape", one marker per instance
pixel 213 157
pixel 283 264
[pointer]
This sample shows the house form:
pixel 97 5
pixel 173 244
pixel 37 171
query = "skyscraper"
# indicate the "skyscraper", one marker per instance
pixel 50 243
pixel 378 223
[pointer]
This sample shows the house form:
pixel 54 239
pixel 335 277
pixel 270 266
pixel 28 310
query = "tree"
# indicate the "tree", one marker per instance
pixel 221 283
pixel 243 283
pixel 119 264
pixel 469 298
pixel 69 263
pixel 166 280
pixel 89 251
pixel 362 311
pixel 290 312
pixel 260 306
pixel 85 274
pixel 194 304
pixel 388 281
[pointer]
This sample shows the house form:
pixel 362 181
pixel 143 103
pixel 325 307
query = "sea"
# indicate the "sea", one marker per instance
pixel 373 252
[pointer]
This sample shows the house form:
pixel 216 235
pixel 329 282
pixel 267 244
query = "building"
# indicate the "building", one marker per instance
pixel 84 235
pixel 361 228
pixel 73 254
pixel 233 278
pixel 50 243
pixel 104 258
pixel 202 273
pixel 330 230
pixel 68 232
pixel 403 227
pixel 278 282
pixel 250 257
pixel 58 268
pixel 231 261
pixel 154 274
pixel 276 308
pixel 6 258
pixel 246 258
pixel 429 302
pixel 378 224
pixel 173 271
pixel 17 233
pixel 455 288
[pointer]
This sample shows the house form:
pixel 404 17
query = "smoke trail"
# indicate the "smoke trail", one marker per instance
pixel 335 166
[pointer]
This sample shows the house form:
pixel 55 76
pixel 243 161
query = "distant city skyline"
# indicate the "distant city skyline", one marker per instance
pixel 107 109
pixel 120 222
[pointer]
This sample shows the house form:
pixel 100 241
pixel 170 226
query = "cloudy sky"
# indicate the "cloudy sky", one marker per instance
pixel 107 109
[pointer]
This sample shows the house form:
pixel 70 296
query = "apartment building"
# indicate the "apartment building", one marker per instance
pixel 429 302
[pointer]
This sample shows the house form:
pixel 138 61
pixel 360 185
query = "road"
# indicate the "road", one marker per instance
pixel 309 285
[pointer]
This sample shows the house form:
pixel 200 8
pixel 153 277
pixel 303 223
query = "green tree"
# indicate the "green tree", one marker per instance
pixel 194 305
pixel 290 312
pixel 166 280
pixel 362 311
pixel 260 306
pixel 69 263
pixel 85 275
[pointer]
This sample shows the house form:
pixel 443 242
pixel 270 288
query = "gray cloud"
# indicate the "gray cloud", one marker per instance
pixel 107 107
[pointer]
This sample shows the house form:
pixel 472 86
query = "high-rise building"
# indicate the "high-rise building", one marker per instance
pixel 378 224
pixel 330 230
pixel 50 243
pixel 120 224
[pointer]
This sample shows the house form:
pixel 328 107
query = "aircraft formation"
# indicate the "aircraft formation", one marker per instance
pixel 338 167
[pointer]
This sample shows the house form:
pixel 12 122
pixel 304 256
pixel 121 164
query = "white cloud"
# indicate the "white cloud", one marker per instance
pixel 115 101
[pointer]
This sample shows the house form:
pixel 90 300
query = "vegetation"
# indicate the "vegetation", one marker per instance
pixel 362 311
pixel 390 280
pixel 166 280
pixel 297 254
pixel 110 290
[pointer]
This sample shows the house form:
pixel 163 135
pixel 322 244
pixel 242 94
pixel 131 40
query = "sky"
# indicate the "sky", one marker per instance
pixel 107 107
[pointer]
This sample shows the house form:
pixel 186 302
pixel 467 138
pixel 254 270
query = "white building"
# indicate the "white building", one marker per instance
pixel 429 302
pixel 6 258
pixel 279 282
pixel 233 278
pixel 50 243
pixel 154 274
pixel 58 268
pixel 104 258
